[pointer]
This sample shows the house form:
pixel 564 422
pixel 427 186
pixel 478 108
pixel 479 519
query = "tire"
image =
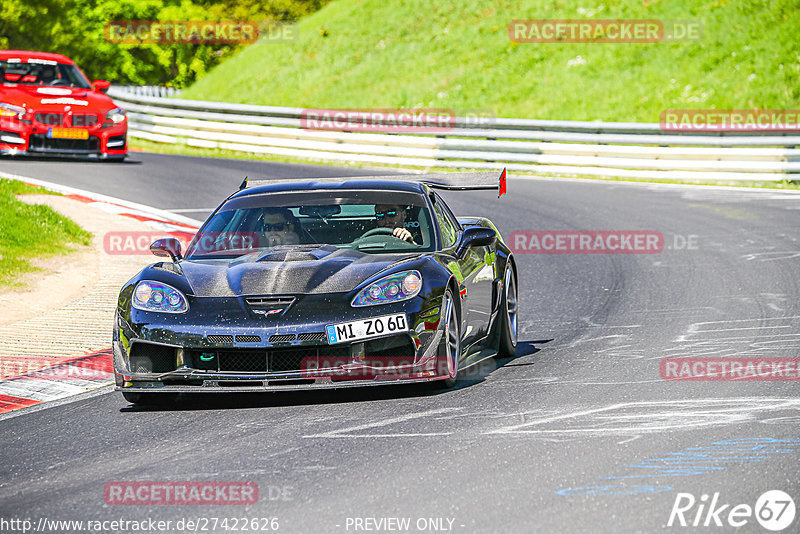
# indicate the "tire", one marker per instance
pixel 507 332
pixel 450 346
pixel 149 399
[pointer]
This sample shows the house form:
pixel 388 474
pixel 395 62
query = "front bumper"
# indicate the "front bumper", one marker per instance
pixel 351 370
pixel 254 354
pixel 29 138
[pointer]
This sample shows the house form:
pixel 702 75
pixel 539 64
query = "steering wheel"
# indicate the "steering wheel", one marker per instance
pixel 378 231
pixel 60 82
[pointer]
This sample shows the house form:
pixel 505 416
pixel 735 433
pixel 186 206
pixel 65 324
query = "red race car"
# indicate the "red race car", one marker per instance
pixel 48 107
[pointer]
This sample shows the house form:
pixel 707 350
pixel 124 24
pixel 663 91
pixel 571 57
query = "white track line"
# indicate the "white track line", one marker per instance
pixel 141 208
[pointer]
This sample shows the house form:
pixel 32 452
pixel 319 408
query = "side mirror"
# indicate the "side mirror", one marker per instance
pixel 476 236
pixel 101 85
pixel 167 247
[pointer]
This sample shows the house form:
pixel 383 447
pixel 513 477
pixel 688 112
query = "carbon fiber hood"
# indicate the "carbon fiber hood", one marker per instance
pixel 301 269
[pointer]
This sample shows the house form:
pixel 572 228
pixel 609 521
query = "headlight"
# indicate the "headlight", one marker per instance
pixel 393 288
pixel 158 297
pixel 116 115
pixel 10 110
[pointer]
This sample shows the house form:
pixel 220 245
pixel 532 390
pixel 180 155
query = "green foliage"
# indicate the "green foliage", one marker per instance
pixel 456 54
pixel 75 28
pixel 28 231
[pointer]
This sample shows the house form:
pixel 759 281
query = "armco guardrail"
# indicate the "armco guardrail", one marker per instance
pixel 547 147
pixel 148 90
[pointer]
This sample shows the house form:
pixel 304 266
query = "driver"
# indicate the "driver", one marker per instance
pixel 279 227
pixel 47 75
pixel 393 216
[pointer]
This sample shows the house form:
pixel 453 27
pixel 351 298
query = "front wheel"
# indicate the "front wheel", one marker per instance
pixel 507 346
pixel 450 345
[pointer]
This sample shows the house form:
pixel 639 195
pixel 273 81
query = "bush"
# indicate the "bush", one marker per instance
pixel 75 28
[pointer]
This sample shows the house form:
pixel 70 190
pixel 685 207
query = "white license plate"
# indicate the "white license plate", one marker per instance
pixel 366 328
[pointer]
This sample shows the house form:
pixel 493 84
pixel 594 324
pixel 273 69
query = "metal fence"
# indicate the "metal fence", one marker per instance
pixel 541 146
pixel 147 90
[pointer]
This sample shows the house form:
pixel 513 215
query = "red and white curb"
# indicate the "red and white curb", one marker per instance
pixel 88 372
pixel 123 207
pixel 67 378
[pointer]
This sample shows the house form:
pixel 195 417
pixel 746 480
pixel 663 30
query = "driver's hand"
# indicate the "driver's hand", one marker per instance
pixel 402 233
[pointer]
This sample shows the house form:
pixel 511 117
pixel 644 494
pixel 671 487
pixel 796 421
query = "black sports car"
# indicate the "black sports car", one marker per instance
pixel 320 283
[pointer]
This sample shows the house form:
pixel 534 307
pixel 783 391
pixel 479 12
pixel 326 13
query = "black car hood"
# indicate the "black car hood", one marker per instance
pixel 302 269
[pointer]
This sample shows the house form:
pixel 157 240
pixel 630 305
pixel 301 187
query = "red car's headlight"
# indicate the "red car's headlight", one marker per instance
pixel 116 115
pixel 10 110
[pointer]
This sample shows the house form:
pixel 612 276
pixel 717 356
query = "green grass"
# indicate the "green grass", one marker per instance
pixel 142 145
pixel 456 54
pixel 30 231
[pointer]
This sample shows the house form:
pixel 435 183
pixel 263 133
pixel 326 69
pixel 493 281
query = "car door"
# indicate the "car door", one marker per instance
pixel 475 287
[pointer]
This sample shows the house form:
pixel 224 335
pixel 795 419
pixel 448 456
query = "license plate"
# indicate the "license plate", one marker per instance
pixel 366 328
pixel 68 133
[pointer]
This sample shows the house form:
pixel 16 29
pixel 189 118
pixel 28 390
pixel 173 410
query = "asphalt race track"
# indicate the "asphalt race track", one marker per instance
pixel 577 433
pixel 157 180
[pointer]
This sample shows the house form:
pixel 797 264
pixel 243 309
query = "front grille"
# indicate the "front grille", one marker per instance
pixel 83 120
pixel 292 360
pixel 311 336
pixel 148 358
pixel 242 360
pixel 269 302
pixel 220 339
pixel 281 338
pixel 277 360
pixel 248 339
pixel 42 143
pixel 78 120
pixel 50 119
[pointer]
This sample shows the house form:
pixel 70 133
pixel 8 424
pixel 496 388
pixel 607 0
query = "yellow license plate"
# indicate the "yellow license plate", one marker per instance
pixel 69 133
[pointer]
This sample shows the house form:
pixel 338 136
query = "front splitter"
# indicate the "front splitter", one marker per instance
pixel 274 387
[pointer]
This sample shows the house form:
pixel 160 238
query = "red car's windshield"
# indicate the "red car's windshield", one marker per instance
pixel 42 72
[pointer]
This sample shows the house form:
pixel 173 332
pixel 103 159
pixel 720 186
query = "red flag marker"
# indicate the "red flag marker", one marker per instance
pixel 501 190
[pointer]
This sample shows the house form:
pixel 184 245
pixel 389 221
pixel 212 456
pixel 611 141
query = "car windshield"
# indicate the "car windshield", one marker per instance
pixel 43 73
pixel 374 222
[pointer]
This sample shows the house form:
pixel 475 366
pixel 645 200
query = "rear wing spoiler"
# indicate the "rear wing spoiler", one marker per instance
pixel 451 181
